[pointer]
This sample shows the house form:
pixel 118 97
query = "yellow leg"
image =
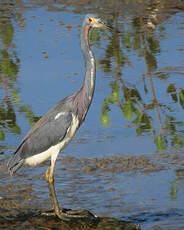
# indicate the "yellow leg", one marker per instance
pixel 63 213
pixel 50 171
pixel 49 175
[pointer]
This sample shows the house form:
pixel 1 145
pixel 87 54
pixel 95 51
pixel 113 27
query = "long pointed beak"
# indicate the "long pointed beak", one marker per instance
pixel 107 27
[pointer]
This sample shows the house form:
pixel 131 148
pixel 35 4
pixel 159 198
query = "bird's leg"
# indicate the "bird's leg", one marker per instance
pixel 64 214
pixel 49 175
pixel 50 181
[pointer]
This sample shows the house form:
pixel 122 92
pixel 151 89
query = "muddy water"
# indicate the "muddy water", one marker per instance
pixel 126 161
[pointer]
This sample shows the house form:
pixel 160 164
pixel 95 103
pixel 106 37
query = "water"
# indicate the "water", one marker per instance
pixel 136 114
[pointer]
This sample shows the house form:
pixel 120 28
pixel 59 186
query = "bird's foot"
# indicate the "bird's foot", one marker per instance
pixel 50 212
pixel 68 214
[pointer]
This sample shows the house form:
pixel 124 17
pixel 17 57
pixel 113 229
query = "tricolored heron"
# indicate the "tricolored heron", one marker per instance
pixel 58 126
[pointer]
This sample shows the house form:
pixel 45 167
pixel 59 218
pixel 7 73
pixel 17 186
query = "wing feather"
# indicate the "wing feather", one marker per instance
pixel 48 131
pixel 47 135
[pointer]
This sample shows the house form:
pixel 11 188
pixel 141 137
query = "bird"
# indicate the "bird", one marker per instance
pixel 51 134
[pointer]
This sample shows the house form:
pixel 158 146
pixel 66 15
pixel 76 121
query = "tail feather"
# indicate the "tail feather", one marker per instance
pixel 15 163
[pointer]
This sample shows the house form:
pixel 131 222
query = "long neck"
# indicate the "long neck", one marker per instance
pixel 89 78
pixel 82 99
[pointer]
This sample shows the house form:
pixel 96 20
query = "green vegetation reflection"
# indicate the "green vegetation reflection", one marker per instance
pixel 10 101
pixel 145 116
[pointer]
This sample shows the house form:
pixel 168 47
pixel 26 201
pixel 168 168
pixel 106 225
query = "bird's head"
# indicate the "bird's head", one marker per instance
pixel 95 22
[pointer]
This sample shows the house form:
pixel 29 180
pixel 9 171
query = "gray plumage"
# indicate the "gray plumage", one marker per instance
pixel 49 131
pixel 58 126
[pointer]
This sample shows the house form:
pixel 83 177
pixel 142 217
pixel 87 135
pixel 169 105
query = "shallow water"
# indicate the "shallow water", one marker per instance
pixel 126 160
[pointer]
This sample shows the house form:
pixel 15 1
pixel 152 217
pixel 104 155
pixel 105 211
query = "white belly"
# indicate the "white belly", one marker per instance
pixel 40 157
pixel 54 150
